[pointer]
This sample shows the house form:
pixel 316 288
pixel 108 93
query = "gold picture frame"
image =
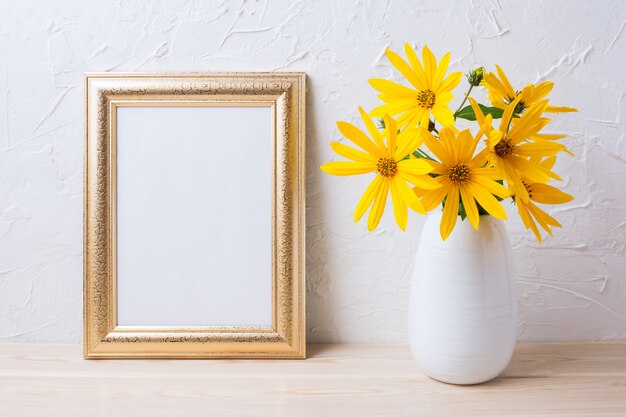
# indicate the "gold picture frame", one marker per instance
pixel 284 95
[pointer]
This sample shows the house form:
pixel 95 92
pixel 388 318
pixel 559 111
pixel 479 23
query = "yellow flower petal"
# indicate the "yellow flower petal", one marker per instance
pixel 415 166
pixel 535 110
pixel 494 137
pixel 436 148
pixel 360 139
pixel 443 114
pixel 415 63
pixel 371 128
pixel 400 211
pixel 464 147
pixel 511 176
pixel 404 68
pixel 408 141
pixel 432 198
pixel 470 206
pixel 489 184
pixel 378 207
pixel 393 98
pixel 449 83
pixel 487 201
pixel 495 87
pixel 508 113
pixel 481 158
pixel 441 70
pixel 343 168
pixel 548 136
pixel 450 213
pixel 411 118
pixel 540 149
pixel 522 130
pixel 543 218
pixel 448 140
pixel 394 108
pixel 529 223
pixel 547 163
pixel 560 109
pixel 424 182
pixel 391 130
pixel 539 91
pixel 508 88
pixel 425 119
pixel 368 197
pixel 546 194
pixel 438 168
pixel 409 197
pixel 533 172
pixel 386 86
pixel 351 153
pixel 480 116
pixel 444 98
pixel 430 65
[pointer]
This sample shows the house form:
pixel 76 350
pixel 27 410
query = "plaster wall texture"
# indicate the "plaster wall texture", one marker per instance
pixel 572 287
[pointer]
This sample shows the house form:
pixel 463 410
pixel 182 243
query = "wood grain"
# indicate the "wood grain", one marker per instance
pixel 564 379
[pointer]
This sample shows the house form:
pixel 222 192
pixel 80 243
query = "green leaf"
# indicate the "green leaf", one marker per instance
pixel 467 112
pixel 462 210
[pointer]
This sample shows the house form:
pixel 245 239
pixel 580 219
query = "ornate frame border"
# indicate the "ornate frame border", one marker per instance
pixel 285 94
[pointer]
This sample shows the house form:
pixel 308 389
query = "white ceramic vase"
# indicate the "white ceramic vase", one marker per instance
pixel 463 306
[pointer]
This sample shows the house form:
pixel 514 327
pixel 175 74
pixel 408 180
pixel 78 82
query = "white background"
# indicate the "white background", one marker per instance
pixel 194 187
pixel 571 287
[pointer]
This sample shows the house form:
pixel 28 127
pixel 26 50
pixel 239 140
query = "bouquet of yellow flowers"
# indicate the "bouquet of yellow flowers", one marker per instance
pixel 423 160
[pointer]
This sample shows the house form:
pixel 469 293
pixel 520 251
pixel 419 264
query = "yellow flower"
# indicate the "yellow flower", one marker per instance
pixel 540 193
pixel 431 92
pixel 463 177
pixel 508 149
pixel 501 93
pixel 388 161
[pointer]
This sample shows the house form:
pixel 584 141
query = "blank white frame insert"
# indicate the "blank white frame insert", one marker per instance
pixel 194 215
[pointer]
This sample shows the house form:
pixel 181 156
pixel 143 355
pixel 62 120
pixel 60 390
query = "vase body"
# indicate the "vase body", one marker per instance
pixel 463 305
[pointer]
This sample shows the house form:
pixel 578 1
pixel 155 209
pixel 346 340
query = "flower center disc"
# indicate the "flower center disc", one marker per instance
pixel 504 148
pixel 426 98
pixel 520 107
pixel 459 173
pixel 387 167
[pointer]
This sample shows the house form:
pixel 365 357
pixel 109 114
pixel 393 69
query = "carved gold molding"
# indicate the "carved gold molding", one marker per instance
pixel 285 93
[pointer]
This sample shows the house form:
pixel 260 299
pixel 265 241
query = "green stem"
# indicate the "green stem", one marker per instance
pixel 422 154
pixel 464 100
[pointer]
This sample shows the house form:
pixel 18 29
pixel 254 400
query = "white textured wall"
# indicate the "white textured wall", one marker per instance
pixel 571 287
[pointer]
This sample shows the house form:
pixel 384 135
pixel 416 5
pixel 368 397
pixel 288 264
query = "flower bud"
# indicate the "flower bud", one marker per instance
pixel 474 77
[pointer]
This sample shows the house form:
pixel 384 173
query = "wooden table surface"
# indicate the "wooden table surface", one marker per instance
pixel 564 379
